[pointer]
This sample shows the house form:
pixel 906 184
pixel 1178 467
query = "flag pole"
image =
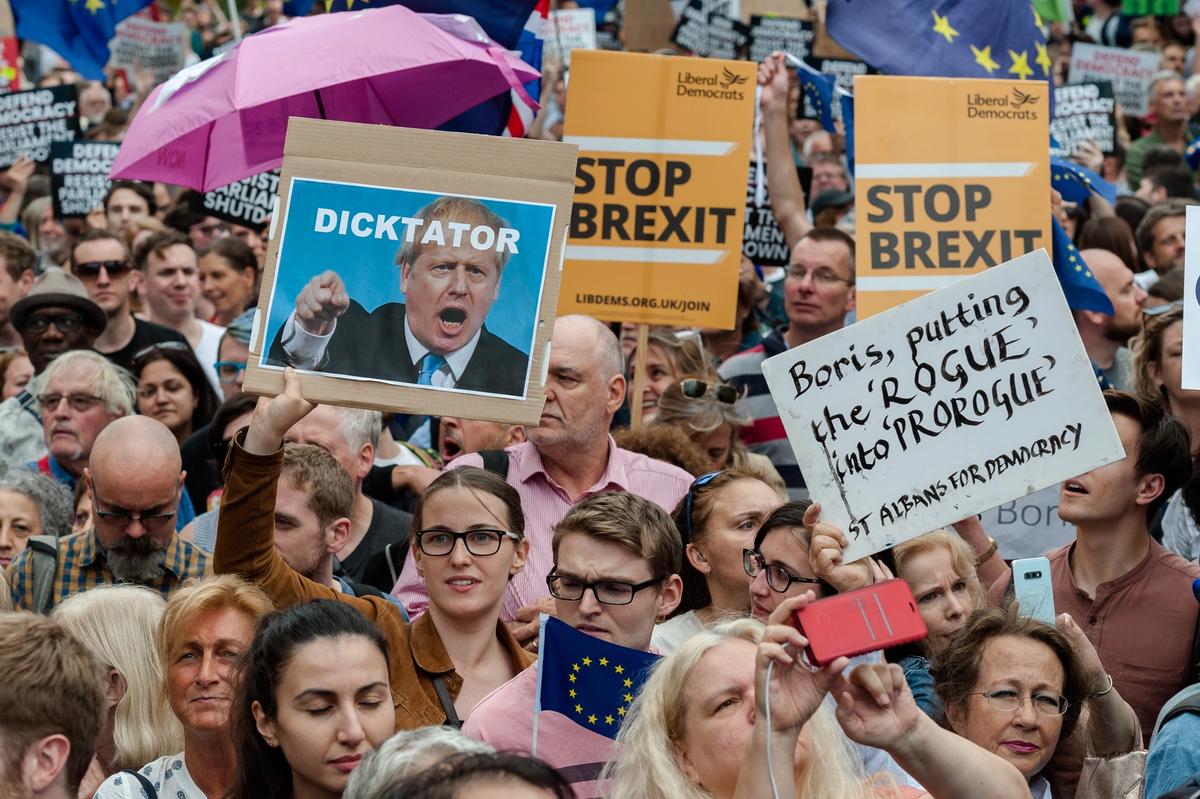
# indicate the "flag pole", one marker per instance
pixel 537 700
pixel 235 19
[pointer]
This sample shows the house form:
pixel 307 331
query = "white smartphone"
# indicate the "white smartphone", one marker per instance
pixel 1035 593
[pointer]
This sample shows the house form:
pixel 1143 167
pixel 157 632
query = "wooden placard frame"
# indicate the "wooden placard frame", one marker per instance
pixel 517 170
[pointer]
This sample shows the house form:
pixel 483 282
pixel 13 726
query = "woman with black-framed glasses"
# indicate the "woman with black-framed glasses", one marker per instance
pixel 778 564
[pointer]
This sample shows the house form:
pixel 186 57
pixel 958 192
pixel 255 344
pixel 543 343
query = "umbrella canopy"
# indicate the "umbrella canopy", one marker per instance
pixel 225 118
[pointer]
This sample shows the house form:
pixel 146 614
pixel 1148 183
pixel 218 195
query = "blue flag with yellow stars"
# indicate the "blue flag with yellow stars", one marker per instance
pixel 586 679
pixel 819 89
pixel 1076 183
pixel 78 30
pixel 943 38
pixel 1079 285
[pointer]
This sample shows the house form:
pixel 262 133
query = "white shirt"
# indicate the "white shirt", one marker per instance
pixel 306 350
pixel 168 775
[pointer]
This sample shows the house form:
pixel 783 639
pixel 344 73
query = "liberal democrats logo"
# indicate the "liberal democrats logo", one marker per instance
pixel 717 86
pixel 991 105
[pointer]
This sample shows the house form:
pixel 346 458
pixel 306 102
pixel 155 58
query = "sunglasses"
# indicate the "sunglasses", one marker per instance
pixel 162 345
pixel 66 323
pixel 699 482
pixel 90 270
pixel 695 389
pixel 1159 310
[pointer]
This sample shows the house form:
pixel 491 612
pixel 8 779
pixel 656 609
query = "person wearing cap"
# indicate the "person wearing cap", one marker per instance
pixel 17 261
pixel 101 260
pixel 830 206
pixel 56 316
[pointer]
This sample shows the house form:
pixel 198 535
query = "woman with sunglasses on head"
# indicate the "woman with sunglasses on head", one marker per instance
pixel 172 388
pixel 717 520
pixel 468 542
pixel 1158 376
pixel 670 354
pixel 711 413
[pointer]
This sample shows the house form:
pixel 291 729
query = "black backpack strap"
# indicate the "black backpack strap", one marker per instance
pixel 43 555
pixel 452 719
pixel 495 460
pixel 147 786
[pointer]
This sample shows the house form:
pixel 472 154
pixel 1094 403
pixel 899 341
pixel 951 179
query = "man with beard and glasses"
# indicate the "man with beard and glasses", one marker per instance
pixel 135 484
pixel 1105 337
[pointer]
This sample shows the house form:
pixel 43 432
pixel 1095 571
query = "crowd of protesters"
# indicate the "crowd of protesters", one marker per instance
pixel 207 594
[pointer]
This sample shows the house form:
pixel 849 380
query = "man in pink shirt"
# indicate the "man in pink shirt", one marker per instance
pixel 615 570
pixel 569 457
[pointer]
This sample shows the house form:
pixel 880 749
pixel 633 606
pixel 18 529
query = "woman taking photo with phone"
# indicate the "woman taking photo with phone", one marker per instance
pixel 468 541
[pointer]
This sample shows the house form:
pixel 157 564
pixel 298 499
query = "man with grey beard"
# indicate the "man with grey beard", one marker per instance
pixel 135 482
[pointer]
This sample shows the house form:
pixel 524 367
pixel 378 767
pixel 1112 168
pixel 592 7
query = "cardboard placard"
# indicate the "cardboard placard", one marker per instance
pixel 797 9
pixel 944 407
pixel 1128 70
pixel 1084 112
pixel 1191 298
pixel 710 34
pixel 656 230
pixel 248 202
pixel 1029 527
pixel 31 121
pixel 567 30
pixel 161 47
pixel 965 188
pixel 79 175
pixel 768 34
pixel 444 243
pixel 648 25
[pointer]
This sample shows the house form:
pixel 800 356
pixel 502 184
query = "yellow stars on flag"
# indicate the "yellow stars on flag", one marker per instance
pixel 603 661
pixel 628 683
pixel 609 720
pixel 1020 64
pixel 628 698
pixel 349 5
pixel 586 662
pixel 941 25
pixel 571 693
pixel 620 711
pixel 592 718
pixel 574 667
pixel 94 5
pixel 1043 58
pixel 579 708
pixel 571 677
pixel 1073 260
pixel 619 669
pixel 983 57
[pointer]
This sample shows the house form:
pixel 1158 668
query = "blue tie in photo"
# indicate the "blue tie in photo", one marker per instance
pixel 429 364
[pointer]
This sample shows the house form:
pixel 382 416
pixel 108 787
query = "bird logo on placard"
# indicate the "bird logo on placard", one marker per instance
pixel 1021 98
pixel 728 78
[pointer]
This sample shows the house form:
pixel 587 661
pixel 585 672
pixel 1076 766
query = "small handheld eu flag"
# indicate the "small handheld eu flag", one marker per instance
pixel 586 679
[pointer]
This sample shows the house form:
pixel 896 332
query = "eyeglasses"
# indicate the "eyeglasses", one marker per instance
pixel 823 276
pixel 153 522
pixel 481 542
pixel 1159 310
pixel 699 482
pixel 78 402
pixel 214 229
pixel 66 323
pixel 1009 701
pixel 778 578
pixel 228 371
pixel 162 345
pixel 607 592
pixel 695 389
pixel 90 270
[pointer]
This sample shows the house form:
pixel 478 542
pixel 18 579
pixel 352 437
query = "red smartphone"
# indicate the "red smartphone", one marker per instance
pixel 879 616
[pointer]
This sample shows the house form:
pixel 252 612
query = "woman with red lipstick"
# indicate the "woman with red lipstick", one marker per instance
pixel 314 699
pixel 206 627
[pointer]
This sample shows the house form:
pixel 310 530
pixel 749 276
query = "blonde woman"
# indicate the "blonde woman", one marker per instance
pixel 117 624
pixel 698 730
pixel 670 355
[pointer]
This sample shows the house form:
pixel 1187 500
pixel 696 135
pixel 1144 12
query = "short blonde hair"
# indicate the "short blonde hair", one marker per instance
pixel 647 768
pixel 116 623
pixel 961 558
pixel 201 595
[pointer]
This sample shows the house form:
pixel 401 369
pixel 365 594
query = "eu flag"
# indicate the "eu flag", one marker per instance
pixel 943 38
pixel 503 20
pixel 590 681
pixel 847 102
pixel 1079 285
pixel 818 88
pixel 1076 183
pixel 78 30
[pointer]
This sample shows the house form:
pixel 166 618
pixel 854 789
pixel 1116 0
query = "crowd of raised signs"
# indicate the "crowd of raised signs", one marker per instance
pixel 207 594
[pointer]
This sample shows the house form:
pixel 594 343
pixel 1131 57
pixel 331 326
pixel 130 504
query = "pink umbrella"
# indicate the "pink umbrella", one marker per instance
pixel 225 118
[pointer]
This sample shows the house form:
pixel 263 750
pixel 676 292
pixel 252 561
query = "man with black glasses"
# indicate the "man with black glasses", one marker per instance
pixel 56 316
pixel 616 571
pixel 133 538
pixel 102 262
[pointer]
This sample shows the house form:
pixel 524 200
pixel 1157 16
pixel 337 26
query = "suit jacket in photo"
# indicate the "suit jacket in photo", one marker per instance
pixel 372 344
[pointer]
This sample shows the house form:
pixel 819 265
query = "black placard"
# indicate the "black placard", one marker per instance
pixel 763 241
pixel 247 203
pixel 1084 112
pixel 31 121
pixel 768 34
pixel 79 175
pixel 705 30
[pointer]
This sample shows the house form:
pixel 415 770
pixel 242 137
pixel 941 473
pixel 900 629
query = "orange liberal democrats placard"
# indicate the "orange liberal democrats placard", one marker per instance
pixel 660 187
pixel 952 177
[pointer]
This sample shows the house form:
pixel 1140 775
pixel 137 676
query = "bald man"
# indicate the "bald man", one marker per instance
pixel 135 484
pixel 567 458
pixel 1105 337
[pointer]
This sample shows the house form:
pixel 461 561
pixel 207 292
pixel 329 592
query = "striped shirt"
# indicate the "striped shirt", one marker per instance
pixel 765 434
pixel 545 503
pixel 82 564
